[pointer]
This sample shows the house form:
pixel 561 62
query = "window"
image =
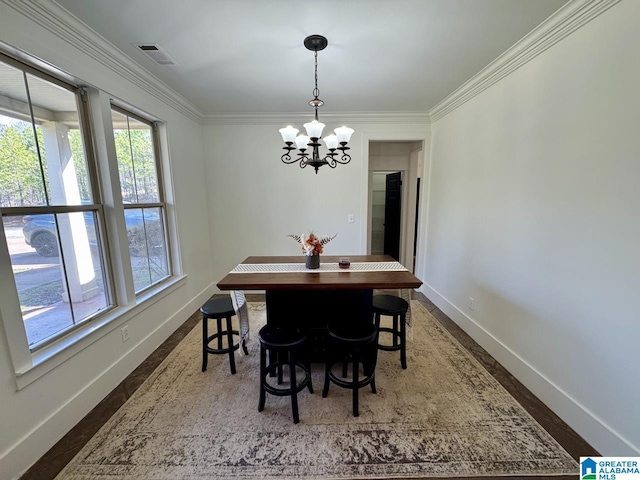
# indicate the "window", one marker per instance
pixel 51 219
pixel 55 217
pixel 144 210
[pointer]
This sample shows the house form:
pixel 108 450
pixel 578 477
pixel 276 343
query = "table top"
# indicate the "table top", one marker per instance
pixel 343 280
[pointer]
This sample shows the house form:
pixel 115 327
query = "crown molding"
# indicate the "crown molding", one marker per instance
pixel 52 17
pixel 69 28
pixel 300 117
pixel 562 23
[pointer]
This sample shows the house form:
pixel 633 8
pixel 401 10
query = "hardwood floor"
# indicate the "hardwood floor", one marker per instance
pixel 62 453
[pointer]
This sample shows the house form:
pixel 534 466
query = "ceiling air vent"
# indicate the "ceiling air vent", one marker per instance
pixel 155 53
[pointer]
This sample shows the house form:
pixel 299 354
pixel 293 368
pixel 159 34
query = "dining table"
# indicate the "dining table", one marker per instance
pixel 308 299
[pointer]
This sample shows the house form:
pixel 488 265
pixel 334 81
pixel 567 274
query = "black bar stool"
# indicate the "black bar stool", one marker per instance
pixel 395 307
pixel 354 344
pixel 219 308
pixel 283 344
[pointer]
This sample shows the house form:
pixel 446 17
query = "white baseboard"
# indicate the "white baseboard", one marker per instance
pixel 27 450
pixel 602 437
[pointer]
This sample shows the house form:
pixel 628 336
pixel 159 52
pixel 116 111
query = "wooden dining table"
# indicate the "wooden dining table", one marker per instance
pixel 309 299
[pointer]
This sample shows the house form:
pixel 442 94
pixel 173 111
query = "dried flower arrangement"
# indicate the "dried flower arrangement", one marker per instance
pixel 312 245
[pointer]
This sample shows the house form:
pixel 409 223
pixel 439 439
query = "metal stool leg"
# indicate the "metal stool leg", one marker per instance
pixel 355 379
pixel 395 329
pixel 325 388
pixel 310 384
pixel 205 334
pixel 403 341
pixel 263 373
pixel 272 360
pixel 219 325
pixel 232 360
pixel 280 360
pixel 293 385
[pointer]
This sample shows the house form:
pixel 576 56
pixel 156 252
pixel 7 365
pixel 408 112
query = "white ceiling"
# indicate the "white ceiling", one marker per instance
pixel 247 56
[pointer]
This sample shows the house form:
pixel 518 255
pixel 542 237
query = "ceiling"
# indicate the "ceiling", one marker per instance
pixel 247 56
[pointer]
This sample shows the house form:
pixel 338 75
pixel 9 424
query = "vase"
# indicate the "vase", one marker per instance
pixel 312 261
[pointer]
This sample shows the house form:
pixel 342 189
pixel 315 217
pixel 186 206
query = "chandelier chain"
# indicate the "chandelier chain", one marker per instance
pixel 316 92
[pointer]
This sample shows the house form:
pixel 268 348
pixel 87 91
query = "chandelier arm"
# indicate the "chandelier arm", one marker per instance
pixel 330 161
pixel 286 158
pixel 346 158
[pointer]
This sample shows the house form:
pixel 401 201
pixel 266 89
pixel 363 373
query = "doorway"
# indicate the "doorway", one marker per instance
pixel 386 211
pixel 395 169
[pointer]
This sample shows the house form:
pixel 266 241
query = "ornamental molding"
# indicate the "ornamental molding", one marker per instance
pixel 55 19
pixel 61 23
pixel 325 117
pixel 69 28
pixel 562 23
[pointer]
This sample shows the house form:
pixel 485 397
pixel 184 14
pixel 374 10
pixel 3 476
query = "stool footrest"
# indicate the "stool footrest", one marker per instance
pixel 363 382
pixel 223 334
pixel 391 348
pixel 283 392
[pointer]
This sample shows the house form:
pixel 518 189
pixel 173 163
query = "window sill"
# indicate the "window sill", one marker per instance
pixel 49 357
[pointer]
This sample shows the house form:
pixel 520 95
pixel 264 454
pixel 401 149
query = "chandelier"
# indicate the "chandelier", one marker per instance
pixel 339 141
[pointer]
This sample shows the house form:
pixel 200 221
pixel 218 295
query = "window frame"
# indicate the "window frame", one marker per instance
pixel 161 204
pixel 95 207
pixel 123 304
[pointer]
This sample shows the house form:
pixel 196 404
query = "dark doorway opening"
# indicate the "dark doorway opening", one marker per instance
pixel 392 215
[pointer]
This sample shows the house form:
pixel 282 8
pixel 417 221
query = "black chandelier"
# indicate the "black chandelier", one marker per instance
pixel 339 141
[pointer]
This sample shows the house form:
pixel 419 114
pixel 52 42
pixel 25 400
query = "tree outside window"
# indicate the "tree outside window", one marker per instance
pixel 144 207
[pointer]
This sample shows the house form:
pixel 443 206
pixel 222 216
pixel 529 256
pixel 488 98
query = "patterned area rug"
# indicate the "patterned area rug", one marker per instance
pixel 443 416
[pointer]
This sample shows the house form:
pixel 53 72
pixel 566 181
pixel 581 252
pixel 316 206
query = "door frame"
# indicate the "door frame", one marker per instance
pixel 410 133
pixel 407 229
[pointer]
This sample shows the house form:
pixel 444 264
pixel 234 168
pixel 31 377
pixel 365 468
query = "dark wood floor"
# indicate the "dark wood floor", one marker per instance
pixel 62 453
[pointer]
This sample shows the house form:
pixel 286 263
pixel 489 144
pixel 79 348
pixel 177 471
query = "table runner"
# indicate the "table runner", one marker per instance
pixel 324 267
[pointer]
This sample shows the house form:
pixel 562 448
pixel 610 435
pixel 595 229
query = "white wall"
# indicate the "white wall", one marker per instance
pixel 256 200
pixel 34 418
pixel 534 212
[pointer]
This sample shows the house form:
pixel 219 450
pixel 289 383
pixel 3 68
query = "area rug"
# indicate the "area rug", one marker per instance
pixel 444 416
